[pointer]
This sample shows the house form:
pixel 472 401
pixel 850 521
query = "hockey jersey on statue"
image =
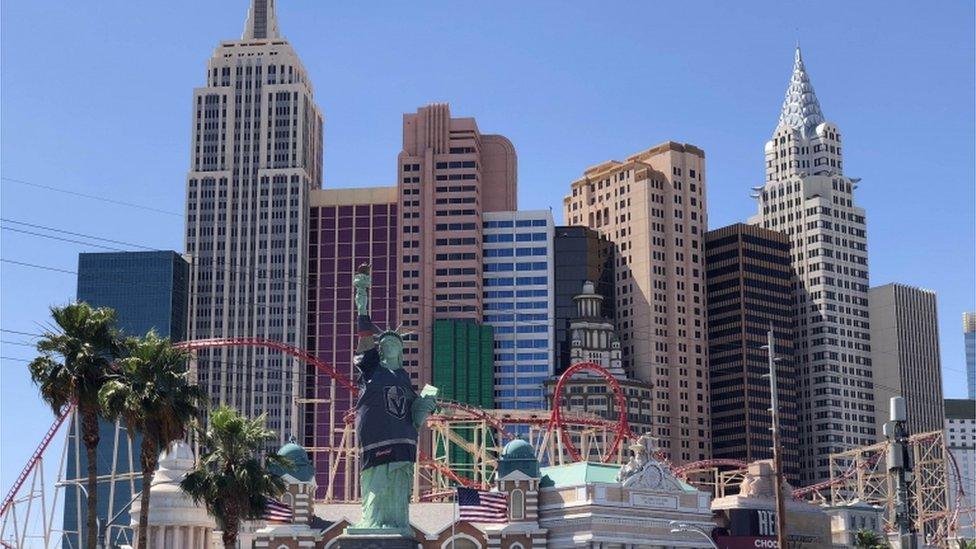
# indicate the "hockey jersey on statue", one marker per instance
pixel 384 418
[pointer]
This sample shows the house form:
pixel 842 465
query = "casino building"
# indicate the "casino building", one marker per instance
pixel 576 505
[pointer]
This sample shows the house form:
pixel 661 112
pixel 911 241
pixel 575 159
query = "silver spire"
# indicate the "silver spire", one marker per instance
pixel 262 22
pixel 801 110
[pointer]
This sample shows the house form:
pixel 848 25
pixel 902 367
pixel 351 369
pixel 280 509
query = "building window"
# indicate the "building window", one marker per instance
pixel 461 541
pixel 518 505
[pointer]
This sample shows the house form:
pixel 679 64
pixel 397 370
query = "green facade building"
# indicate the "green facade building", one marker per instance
pixel 463 362
pixel 464 352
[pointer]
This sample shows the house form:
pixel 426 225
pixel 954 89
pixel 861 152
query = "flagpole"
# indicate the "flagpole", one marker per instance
pixel 453 522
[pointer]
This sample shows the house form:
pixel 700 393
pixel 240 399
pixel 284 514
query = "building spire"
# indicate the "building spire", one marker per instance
pixel 262 23
pixel 801 109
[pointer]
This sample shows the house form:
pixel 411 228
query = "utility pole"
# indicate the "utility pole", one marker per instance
pixel 777 457
pixel 899 468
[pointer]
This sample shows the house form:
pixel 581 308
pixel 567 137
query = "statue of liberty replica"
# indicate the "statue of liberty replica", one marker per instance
pixel 389 413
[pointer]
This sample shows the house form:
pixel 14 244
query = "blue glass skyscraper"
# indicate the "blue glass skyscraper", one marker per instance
pixel 148 291
pixel 518 303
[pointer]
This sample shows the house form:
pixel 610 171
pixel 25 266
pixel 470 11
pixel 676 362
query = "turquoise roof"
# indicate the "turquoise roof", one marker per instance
pixel 587 472
pixel 301 467
pixel 581 472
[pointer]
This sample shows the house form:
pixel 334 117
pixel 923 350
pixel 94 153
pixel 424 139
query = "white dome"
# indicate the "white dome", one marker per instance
pixel 170 506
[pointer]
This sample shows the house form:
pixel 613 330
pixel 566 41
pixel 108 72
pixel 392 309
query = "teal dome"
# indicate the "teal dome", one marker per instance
pixel 300 466
pixel 518 455
pixel 518 448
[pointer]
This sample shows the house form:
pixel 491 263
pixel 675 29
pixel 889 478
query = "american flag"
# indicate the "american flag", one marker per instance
pixel 277 512
pixel 480 506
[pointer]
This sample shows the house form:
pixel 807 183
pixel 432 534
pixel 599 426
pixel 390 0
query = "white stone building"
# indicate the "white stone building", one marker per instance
pixel 807 196
pixel 256 154
pixel 593 337
pixel 175 522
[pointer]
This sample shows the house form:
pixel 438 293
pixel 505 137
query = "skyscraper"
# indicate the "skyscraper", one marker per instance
pixel 256 156
pixel 347 227
pixel 905 354
pixel 518 269
pixel 749 276
pixel 807 196
pixel 579 254
pixel 449 175
pixel 652 207
pixel 148 291
pixel 969 332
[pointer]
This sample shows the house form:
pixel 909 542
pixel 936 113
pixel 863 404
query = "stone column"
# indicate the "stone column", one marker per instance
pixel 160 537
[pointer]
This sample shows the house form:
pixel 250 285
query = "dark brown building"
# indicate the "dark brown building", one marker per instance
pixel 748 282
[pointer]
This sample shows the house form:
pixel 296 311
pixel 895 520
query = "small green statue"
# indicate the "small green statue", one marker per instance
pixel 388 415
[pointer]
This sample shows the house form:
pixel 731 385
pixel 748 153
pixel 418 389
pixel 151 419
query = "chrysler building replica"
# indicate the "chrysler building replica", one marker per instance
pixel 807 197
pixel 256 155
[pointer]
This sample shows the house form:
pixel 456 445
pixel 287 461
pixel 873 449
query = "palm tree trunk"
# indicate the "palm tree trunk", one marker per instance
pixel 90 436
pixel 232 524
pixel 149 458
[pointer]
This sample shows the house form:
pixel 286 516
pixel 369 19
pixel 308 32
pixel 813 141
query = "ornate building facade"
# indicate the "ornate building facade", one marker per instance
pixel 807 196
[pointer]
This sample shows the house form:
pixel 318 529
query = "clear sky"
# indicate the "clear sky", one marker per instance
pixel 96 98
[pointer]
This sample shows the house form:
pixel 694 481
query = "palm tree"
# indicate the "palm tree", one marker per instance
pixel 869 539
pixel 231 480
pixel 150 392
pixel 75 358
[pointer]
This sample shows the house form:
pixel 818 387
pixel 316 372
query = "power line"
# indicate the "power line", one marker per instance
pixel 20 333
pixel 91 196
pixel 35 266
pixel 52 237
pixel 47 228
pixel 4 341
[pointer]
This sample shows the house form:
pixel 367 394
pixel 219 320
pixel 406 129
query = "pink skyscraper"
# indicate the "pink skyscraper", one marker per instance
pixel 449 175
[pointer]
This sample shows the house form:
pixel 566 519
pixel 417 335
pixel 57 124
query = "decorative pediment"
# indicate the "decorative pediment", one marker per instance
pixel 644 472
pixel 516 475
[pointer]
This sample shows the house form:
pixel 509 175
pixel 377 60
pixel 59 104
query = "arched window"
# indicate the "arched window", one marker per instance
pixel 461 541
pixel 516 545
pixel 517 505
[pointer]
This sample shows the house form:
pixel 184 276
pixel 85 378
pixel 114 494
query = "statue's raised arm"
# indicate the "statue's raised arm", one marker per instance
pixel 364 324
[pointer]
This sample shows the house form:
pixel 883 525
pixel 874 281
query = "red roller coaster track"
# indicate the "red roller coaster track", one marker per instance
pixel 35 458
pixel 622 429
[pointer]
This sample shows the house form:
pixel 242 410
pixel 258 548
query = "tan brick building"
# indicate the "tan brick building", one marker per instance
pixel 652 207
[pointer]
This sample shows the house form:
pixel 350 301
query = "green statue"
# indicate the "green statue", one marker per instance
pixel 388 415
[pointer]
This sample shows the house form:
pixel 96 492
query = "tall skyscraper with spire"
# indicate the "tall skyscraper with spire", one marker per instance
pixel 807 196
pixel 256 154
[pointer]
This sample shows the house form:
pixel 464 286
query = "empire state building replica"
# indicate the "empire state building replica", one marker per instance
pixel 256 153
pixel 807 196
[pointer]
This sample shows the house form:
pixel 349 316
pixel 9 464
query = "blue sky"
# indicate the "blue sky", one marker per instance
pixel 96 99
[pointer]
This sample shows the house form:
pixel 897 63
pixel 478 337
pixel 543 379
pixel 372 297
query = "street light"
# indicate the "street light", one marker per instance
pixel 99 527
pixel 98 521
pixel 678 526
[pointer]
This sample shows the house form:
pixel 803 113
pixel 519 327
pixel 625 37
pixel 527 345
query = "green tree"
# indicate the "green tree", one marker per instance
pixel 869 539
pixel 151 393
pixel 230 479
pixel 966 543
pixel 75 357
